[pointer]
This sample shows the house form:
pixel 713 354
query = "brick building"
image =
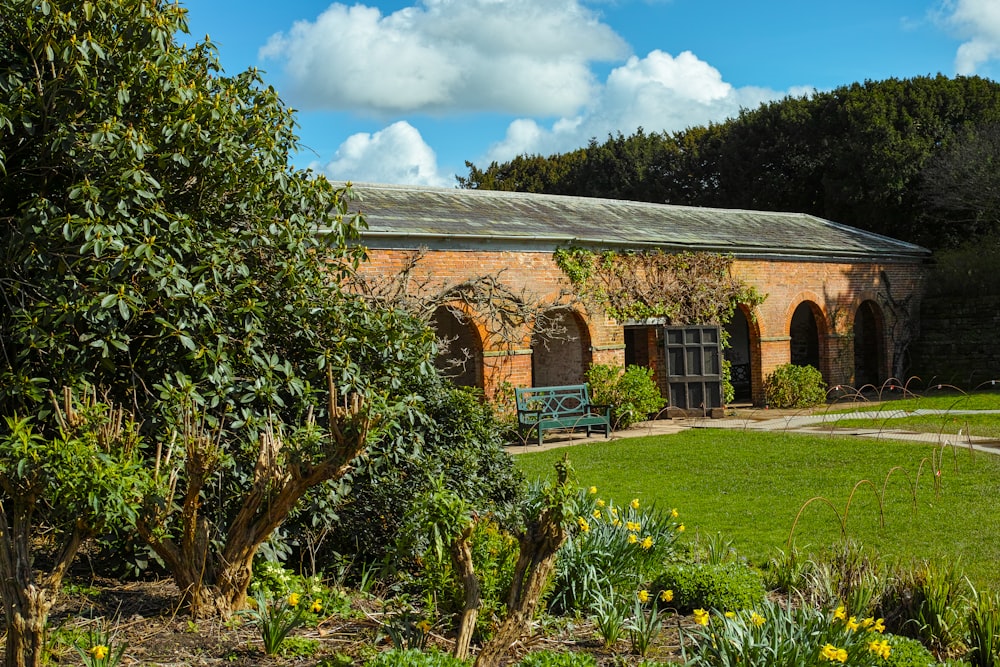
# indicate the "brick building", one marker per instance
pixel 840 299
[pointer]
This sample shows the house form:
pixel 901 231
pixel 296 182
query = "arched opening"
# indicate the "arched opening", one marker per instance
pixel 461 349
pixel 561 354
pixel 804 334
pixel 739 356
pixel 869 352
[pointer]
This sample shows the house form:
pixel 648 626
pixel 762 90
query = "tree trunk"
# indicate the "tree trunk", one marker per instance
pixel 461 555
pixel 26 604
pixel 26 619
pixel 535 561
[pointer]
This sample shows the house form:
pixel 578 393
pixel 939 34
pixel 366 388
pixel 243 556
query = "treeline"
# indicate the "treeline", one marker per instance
pixel 916 159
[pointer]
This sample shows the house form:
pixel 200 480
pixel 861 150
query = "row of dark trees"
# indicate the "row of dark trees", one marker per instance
pixel 915 159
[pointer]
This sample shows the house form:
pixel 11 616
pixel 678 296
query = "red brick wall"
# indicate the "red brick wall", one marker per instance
pixel 836 289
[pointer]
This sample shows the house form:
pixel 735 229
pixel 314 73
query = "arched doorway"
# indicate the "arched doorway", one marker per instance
pixel 738 354
pixel 561 355
pixel 804 334
pixel 869 351
pixel 461 349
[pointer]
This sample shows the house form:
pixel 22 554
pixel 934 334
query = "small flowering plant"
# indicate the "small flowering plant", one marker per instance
pixel 776 635
pixel 276 618
pixel 101 649
pixel 611 548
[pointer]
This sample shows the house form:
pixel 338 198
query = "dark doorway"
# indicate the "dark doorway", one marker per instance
pixel 461 356
pixel 738 356
pixel 804 337
pixel 868 349
pixel 562 358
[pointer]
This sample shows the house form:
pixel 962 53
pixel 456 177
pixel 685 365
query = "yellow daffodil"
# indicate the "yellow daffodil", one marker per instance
pixel 680 528
pixel 592 490
pixel 316 607
pixel 880 648
pixel 100 652
pixel 614 511
pixel 643 596
pixel 852 623
pixel 879 625
pixel 632 539
pixel 647 542
pixel 868 622
pixel 840 613
pixel 833 654
pixel 424 626
pixel 730 614
pixel 701 617
pixel 596 514
pixel 634 504
pixel 293 600
pixel 600 503
pixel 757 619
pixel 584 526
pixel 667 595
pixel 616 523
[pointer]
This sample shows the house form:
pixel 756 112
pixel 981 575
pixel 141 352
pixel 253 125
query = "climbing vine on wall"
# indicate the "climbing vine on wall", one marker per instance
pixel 684 287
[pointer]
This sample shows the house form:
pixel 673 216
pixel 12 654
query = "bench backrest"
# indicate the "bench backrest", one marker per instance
pixel 554 401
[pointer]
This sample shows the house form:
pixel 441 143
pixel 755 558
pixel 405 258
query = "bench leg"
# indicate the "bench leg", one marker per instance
pixel 539 428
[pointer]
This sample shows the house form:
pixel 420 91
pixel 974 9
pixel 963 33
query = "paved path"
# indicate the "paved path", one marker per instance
pixel 824 423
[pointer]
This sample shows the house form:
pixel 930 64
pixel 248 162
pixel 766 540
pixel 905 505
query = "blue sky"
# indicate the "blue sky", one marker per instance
pixel 406 92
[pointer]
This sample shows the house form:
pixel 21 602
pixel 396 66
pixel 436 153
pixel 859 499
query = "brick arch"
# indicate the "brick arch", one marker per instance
pixel 802 337
pixel 465 336
pixel 754 357
pixel 563 359
pixel 871 363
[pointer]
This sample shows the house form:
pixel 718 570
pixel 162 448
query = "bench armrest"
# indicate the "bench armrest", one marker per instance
pixel 599 407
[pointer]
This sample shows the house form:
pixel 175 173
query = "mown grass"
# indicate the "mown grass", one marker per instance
pixel 885 414
pixel 750 486
pixel 944 399
pixel 984 426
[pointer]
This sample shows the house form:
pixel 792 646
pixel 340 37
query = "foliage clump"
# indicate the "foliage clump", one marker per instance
pixel 683 287
pixel 791 386
pixel 632 393
pixel 726 586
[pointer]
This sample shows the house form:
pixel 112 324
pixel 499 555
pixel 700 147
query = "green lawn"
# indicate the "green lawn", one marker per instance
pixel 983 425
pixel 929 400
pixel 750 487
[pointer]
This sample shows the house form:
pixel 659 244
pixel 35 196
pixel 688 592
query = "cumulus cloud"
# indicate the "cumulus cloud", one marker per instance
pixel 659 93
pixel 396 154
pixel 528 57
pixel 978 23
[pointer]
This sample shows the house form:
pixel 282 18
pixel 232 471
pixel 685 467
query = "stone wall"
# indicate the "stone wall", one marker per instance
pixel 959 341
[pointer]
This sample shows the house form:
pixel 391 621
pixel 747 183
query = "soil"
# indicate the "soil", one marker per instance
pixel 158 633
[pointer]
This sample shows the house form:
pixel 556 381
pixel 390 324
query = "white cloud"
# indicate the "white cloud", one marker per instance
pixel 978 23
pixel 658 93
pixel 395 154
pixel 517 56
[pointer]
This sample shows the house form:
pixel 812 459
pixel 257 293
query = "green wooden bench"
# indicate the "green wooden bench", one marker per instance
pixel 545 408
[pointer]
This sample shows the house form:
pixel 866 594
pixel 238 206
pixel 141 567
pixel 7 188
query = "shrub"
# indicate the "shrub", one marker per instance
pixel 414 658
pixel 459 442
pixel 632 393
pixel 791 386
pixel 729 587
pixel 494 554
pixel 557 659
pixel 907 652
pixel 611 550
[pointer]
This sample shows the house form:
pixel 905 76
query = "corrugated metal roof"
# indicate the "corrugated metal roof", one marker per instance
pixel 410 216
